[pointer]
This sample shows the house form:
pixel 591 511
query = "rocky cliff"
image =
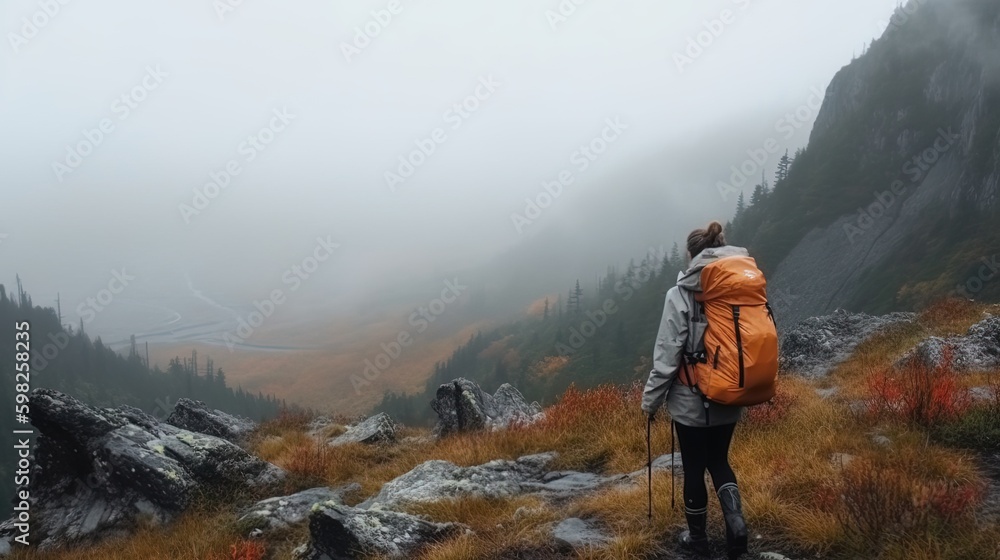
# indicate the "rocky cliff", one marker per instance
pixel 894 202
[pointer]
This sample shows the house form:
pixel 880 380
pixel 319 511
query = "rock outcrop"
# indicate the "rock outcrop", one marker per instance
pixel 437 480
pixel 377 429
pixel 462 405
pixel 977 350
pixel 280 513
pixel 339 532
pixel 97 472
pixel 195 416
pixel 815 346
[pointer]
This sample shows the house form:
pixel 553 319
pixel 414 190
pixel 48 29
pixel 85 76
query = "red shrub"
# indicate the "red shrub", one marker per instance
pixel 243 550
pixel 917 393
pixel 772 411
pixel 884 497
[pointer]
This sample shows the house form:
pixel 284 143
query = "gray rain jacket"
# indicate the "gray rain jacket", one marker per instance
pixel 681 332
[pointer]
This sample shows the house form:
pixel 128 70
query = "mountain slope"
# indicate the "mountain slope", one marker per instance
pixel 894 201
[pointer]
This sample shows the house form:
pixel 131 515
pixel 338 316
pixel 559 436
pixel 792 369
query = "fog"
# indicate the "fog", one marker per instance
pixel 334 112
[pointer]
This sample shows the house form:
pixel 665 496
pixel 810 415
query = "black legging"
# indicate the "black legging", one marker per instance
pixel 704 448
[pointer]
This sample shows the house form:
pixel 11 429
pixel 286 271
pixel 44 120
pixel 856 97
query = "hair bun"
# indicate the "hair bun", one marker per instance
pixel 714 230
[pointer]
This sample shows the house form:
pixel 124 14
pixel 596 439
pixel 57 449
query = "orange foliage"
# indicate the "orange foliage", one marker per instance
pixel 549 366
pixel 577 407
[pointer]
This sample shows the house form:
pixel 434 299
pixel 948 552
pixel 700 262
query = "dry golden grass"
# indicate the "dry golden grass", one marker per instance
pixel 813 480
pixel 195 536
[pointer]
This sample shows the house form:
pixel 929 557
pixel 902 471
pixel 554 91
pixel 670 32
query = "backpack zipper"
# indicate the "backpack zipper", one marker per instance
pixel 715 362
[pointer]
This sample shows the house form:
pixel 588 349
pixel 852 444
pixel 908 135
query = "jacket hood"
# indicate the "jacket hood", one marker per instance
pixel 690 279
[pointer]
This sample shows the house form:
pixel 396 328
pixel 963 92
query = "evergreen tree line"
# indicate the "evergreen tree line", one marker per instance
pixel 750 217
pixel 68 360
pixel 601 333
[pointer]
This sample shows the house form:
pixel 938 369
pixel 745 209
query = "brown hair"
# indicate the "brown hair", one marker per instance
pixel 701 239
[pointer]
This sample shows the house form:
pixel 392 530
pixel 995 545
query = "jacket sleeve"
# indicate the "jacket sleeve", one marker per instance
pixel 668 352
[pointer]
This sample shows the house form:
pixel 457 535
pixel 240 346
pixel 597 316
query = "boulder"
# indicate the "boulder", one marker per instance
pixel 277 514
pixel 436 480
pixel 662 463
pixel 815 346
pixel 97 472
pixel 977 350
pixel 339 532
pixel 462 406
pixel 580 533
pixel 195 416
pixel 500 479
pixel 377 429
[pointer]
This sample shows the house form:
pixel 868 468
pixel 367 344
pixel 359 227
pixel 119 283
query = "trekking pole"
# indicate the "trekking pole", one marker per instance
pixel 649 464
pixel 673 491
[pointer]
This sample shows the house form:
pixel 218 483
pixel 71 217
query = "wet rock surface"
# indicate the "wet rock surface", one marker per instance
pixel 977 350
pixel 282 512
pixel 377 429
pixel 341 532
pixel 97 472
pixel 815 346
pixel 580 533
pixel 462 405
pixel 195 416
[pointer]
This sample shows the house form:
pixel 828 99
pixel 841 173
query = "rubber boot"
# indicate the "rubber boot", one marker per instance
pixel 736 527
pixel 695 539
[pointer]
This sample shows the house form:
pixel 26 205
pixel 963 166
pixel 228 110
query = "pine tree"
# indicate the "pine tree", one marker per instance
pixel 575 300
pixel 545 313
pixel 675 256
pixel 784 164
pixel 757 196
pixel 741 206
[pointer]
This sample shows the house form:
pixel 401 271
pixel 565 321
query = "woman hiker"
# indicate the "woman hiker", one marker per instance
pixel 704 428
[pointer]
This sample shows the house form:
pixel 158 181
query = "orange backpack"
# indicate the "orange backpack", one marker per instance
pixel 739 364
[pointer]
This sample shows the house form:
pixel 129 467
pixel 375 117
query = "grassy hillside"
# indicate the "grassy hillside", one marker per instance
pixel 816 482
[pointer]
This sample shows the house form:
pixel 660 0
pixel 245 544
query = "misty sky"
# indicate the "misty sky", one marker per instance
pixel 211 82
